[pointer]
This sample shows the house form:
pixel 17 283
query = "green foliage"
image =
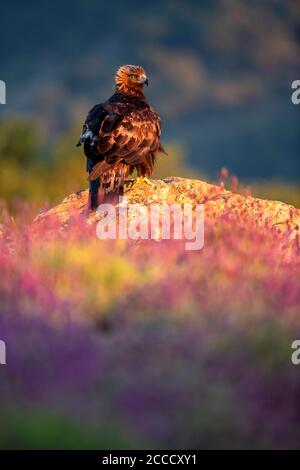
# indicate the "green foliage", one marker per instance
pixel 174 163
pixel 277 190
pixel 18 142
pixel 41 429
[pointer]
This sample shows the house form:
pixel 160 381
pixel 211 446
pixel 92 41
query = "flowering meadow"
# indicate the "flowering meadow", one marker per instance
pixel 115 344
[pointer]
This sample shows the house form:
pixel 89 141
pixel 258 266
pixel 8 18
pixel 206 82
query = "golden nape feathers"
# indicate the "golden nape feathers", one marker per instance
pixel 130 79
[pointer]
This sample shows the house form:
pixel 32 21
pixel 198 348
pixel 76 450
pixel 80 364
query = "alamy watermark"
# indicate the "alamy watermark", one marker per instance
pixel 295 358
pixel 295 97
pixel 2 92
pixel 154 221
pixel 2 353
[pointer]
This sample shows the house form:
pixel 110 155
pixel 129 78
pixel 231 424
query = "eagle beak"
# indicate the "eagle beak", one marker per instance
pixel 143 80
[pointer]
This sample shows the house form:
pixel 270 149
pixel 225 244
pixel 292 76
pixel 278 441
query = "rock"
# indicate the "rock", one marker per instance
pixel 217 201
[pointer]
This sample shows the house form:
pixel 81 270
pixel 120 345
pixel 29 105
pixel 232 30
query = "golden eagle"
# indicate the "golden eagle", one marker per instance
pixel 121 135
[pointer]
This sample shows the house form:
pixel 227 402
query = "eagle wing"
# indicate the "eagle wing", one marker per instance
pixel 90 130
pixel 126 134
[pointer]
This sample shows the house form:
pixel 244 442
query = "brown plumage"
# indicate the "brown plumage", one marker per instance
pixel 121 135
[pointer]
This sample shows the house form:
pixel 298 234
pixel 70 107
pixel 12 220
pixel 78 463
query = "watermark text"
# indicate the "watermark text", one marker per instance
pixel 296 94
pixel 295 358
pixel 2 353
pixel 2 92
pixel 153 221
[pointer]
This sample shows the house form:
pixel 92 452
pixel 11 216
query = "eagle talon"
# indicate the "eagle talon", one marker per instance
pixel 128 185
pixel 143 179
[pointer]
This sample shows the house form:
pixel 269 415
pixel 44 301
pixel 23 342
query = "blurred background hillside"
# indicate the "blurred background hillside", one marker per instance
pixel 220 76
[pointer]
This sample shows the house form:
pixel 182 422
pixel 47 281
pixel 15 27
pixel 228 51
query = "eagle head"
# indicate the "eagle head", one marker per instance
pixel 130 79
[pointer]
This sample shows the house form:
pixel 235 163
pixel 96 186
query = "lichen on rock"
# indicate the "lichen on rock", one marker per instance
pixel 217 202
